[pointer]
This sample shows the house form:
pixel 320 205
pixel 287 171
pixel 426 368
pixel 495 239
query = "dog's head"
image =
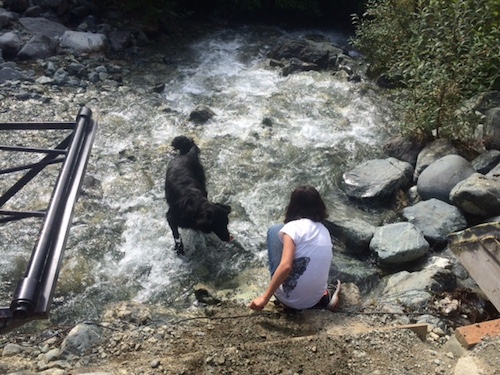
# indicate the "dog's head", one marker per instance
pixel 215 219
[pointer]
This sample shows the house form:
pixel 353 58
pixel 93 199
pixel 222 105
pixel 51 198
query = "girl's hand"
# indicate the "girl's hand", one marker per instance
pixel 258 303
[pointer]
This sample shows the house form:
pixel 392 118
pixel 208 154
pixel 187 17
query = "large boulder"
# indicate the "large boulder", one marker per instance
pixel 320 53
pixel 41 25
pixel 486 161
pixel 404 149
pixel 82 42
pixel 432 152
pixel 415 290
pixel 494 173
pixel 6 17
pixel 10 74
pixel 377 178
pixel 436 219
pixel 398 243
pixel 492 129
pixel 437 180
pixel 354 233
pixel 477 195
pixel 38 47
pixel 10 44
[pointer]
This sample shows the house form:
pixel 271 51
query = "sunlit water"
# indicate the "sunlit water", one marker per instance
pixel 120 246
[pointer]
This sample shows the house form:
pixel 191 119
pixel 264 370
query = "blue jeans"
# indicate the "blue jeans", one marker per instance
pixel 274 247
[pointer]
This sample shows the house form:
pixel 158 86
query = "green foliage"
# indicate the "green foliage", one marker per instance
pixel 442 51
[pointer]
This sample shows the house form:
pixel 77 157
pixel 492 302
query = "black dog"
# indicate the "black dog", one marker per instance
pixel 186 194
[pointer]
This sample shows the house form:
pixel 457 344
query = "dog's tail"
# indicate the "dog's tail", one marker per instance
pixel 184 145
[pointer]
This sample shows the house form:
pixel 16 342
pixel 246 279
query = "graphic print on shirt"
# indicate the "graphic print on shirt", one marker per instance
pixel 299 266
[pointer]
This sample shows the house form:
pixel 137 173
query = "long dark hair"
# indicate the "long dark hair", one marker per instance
pixel 305 202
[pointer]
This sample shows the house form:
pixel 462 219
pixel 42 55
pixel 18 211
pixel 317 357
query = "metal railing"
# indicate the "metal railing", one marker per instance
pixel 34 293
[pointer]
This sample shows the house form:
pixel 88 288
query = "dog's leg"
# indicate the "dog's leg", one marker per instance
pixel 179 246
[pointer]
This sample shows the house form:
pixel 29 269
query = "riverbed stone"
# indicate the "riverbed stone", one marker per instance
pixel 492 129
pixel 431 152
pixel 201 114
pixel 119 40
pixel 355 271
pixel 10 74
pixel 10 44
pixel 318 53
pixel 79 41
pixel 404 149
pixel 477 195
pixel 439 178
pixel 41 25
pixel 495 172
pixel 486 161
pixel 80 339
pixel 436 219
pixel 415 289
pixel 11 349
pixel 38 47
pixel 398 243
pixel 6 17
pixel 356 234
pixel 377 178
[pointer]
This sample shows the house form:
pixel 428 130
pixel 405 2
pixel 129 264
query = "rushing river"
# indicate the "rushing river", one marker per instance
pixel 120 246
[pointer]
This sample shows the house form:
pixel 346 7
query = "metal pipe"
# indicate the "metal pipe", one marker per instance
pixel 35 290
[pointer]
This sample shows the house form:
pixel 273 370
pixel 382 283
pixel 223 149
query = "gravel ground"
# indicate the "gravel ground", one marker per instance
pixel 231 339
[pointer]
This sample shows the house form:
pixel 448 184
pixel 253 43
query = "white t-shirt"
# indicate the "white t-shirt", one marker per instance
pixel 308 279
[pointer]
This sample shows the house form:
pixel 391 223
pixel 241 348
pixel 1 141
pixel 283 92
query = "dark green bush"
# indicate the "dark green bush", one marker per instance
pixel 442 51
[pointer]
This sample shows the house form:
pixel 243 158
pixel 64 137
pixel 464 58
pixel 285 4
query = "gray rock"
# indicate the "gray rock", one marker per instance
pixel 358 272
pixel 84 42
pixel 356 234
pixel 415 290
pixel 201 115
pixel 432 152
pixel 436 219
pixel 477 195
pixel 308 51
pixel 41 25
pixel 38 47
pixel 377 178
pixel 80 339
pixel 11 349
pixel 398 243
pixel 494 173
pixel 9 74
pixel 486 161
pixel 403 149
pixel 52 355
pixel 295 65
pixel 10 44
pixel 437 180
pixel 492 129
pixel 6 17
pixel 119 40
pixel 34 11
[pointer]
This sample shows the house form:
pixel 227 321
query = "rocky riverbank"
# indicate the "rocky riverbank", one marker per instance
pixel 228 339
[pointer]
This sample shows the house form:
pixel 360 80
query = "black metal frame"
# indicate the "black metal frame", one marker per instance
pixel 34 293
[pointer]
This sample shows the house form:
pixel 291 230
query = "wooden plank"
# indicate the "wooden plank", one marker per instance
pixel 478 249
pixel 472 334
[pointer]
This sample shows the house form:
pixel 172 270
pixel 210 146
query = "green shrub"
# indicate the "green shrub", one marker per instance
pixel 442 51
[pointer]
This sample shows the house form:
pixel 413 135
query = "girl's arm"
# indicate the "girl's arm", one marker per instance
pixel 280 275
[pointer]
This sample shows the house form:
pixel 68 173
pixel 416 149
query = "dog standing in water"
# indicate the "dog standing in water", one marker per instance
pixel 186 195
